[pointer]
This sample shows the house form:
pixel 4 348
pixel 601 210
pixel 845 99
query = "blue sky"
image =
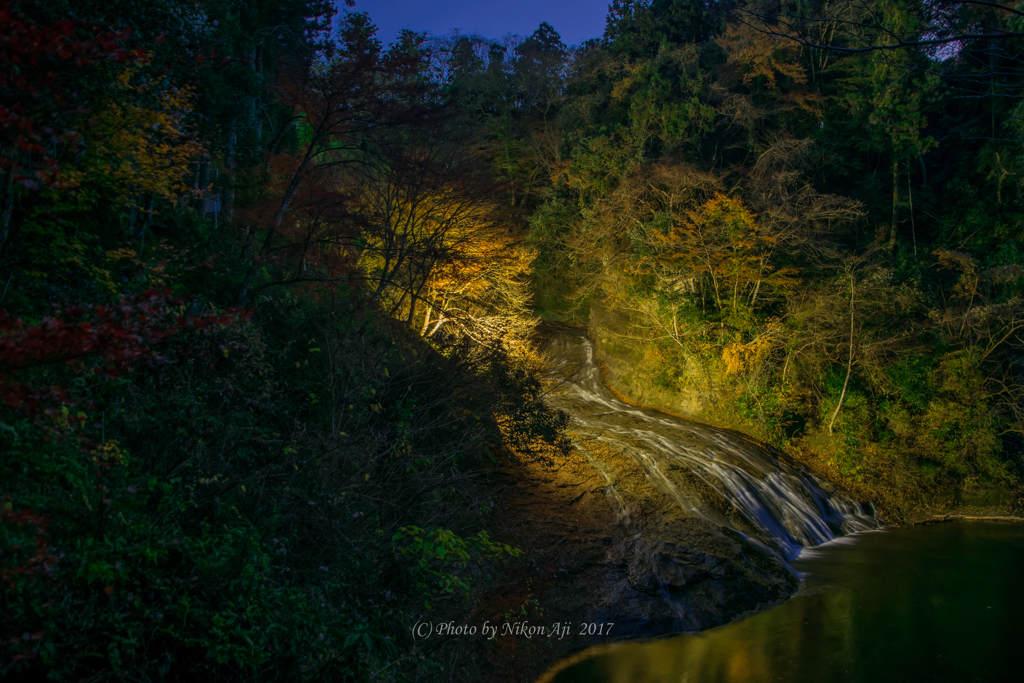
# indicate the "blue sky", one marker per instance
pixel 575 20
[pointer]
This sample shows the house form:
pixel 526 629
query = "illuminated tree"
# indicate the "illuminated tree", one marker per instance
pixel 433 249
pixel 139 149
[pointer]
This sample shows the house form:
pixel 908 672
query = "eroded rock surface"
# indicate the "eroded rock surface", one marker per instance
pixel 653 573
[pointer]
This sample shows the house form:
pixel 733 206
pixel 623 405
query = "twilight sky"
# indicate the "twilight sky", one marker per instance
pixel 575 20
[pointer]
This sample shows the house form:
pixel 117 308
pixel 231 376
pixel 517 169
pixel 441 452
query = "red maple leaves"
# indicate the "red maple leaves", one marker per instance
pixel 41 69
pixel 118 337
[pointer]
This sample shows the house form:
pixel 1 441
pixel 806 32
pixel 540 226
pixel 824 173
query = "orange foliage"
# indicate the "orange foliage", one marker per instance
pixel 723 240
pixel 766 65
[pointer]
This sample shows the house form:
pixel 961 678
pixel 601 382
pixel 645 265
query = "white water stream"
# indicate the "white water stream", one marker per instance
pixel 779 499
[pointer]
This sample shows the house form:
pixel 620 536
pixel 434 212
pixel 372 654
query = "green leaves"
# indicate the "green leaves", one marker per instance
pixel 439 555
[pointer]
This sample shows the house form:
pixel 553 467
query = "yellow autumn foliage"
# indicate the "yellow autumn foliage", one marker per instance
pixel 138 144
pixel 739 357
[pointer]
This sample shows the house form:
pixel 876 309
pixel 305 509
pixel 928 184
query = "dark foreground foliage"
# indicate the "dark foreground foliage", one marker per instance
pixel 231 446
pixel 277 496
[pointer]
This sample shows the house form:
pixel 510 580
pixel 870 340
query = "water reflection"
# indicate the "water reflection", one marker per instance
pixel 933 603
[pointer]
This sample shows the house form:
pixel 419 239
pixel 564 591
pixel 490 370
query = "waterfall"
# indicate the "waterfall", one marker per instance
pixel 779 502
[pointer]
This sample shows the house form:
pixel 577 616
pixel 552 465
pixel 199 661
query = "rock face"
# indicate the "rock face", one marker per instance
pixel 628 370
pixel 703 575
pixel 673 570
pixel 652 573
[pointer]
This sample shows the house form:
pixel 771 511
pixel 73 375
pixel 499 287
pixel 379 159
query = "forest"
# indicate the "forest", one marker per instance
pixel 269 288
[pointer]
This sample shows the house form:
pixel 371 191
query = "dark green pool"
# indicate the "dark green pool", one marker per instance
pixel 942 602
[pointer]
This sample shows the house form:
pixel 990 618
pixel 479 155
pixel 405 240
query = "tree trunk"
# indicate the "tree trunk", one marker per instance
pixel 910 200
pixel 139 235
pixel 228 197
pixel 895 199
pixel 757 287
pixel 202 183
pixel 412 309
pixel 250 275
pixel 849 364
pixel 426 321
pixel 6 208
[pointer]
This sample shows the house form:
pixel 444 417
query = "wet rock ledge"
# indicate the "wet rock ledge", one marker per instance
pixel 635 560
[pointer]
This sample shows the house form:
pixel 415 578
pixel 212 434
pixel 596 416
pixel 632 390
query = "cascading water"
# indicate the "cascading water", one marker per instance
pixel 778 502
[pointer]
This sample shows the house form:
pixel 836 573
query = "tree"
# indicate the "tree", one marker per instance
pixel 49 75
pixel 140 150
pixel 337 94
pixel 858 26
pixel 107 339
pixel 537 70
pixel 432 248
pixel 639 28
pixel 723 241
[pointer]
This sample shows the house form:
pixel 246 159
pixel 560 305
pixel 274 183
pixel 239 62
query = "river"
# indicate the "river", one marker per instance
pixel 941 602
